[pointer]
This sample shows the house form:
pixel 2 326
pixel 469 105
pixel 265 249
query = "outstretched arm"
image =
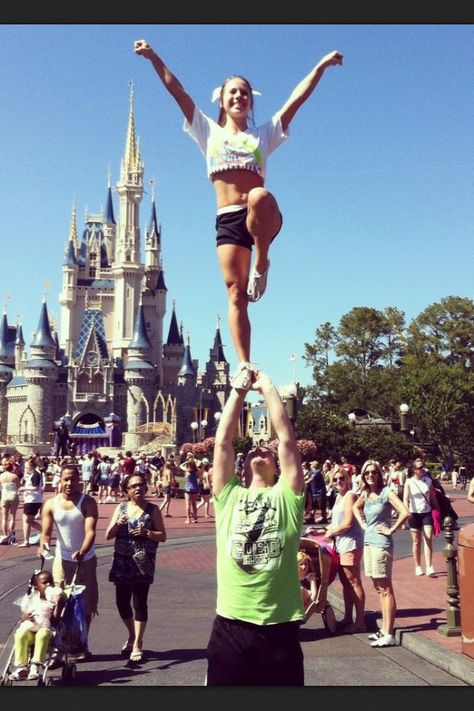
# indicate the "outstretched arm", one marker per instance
pixel 288 455
pixel 170 82
pixel 306 87
pixel 224 456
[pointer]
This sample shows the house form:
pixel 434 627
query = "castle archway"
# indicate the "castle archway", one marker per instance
pixel 88 432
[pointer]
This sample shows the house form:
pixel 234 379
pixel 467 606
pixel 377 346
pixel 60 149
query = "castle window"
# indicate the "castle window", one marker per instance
pixel 92 264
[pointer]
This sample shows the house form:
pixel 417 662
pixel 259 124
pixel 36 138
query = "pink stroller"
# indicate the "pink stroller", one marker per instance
pixel 325 562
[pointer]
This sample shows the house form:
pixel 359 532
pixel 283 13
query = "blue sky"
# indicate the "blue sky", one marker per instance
pixel 375 182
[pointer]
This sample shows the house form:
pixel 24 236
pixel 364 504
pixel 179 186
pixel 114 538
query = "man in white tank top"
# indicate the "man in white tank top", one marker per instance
pixel 74 514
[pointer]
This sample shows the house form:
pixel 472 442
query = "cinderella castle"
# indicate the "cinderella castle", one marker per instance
pixel 109 376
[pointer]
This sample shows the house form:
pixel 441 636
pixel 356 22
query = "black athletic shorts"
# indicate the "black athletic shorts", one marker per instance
pixel 231 228
pixel 418 520
pixel 31 509
pixel 243 654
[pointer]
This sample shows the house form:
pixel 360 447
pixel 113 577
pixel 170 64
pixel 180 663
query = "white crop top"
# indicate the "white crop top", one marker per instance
pixel 247 150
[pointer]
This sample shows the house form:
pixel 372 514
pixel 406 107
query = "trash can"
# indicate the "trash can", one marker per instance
pixel 466 587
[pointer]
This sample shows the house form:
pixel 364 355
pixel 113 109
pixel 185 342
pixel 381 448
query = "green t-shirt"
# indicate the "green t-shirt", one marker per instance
pixel 258 535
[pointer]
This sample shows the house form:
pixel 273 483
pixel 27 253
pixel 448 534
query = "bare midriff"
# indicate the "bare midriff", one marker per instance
pixel 233 186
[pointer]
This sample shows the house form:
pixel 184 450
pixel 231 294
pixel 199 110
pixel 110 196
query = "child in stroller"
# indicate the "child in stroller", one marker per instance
pixel 40 611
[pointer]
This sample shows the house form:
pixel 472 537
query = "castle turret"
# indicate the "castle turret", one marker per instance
pixel 68 297
pixel 216 377
pixel 41 374
pixel 173 351
pixel 154 291
pixel 110 226
pixel 19 348
pixel 140 375
pixel 6 374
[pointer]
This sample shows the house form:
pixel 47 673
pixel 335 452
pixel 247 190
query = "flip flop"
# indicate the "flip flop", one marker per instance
pixel 136 657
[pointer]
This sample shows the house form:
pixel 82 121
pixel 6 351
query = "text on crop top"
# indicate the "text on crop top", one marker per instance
pixel 247 150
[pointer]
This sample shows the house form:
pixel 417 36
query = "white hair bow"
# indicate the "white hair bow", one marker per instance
pixel 217 92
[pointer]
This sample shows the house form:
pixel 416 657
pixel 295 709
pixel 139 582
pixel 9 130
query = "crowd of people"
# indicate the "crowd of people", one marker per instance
pixel 358 510
pixel 102 476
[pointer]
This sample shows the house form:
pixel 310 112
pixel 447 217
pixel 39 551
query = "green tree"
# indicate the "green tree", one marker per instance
pixel 360 337
pixel 381 444
pixel 329 431
pixel 318 354
pixel 444 330
pixel 392 328
pixel 441 401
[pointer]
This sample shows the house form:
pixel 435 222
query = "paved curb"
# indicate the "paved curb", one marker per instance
pixel 425 648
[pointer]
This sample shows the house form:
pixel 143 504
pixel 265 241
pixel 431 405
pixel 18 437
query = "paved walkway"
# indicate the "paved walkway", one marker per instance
pixel 421 601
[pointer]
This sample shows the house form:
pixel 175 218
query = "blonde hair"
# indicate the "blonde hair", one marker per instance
pixel 302 556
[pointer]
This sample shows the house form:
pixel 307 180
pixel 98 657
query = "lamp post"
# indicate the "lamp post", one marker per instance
pixel 194 426
pixel 217 417
pixel 352 419
pixel 202 429
pixel 404 409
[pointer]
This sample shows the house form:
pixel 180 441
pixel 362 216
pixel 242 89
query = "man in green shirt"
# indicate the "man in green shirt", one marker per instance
pixel 255 635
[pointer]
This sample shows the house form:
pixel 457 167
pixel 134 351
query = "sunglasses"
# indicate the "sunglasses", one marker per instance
pixel 371 472
pixel 134 486
pixel 338 479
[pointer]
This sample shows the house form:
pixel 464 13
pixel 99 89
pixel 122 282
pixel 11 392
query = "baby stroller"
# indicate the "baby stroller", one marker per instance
pixel 324 562
pixel 70 637
pixel 5 676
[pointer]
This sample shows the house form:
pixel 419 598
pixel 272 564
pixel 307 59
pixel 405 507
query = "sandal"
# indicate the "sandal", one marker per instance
pixel 137 656
pixel 19 674
pixel 257 283
pixel 126 649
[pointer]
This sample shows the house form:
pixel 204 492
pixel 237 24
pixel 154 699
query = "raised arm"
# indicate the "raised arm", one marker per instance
pixel 306 87
pixel 288 455
pixel 170 82
pixel 224 455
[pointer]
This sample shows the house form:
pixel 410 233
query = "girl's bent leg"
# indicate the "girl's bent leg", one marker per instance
pixel 263 223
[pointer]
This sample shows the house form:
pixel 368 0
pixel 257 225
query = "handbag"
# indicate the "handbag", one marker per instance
pixel 436 522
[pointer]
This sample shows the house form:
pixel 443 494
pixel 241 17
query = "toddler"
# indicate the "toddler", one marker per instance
pixel 40 610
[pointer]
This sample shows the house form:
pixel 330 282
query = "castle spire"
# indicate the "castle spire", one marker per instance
pixel 43 335
pixel 174 336
pixel 4 334
pixel 140 340
pixel 187 367
pixel 73 228
pixel 109 217
pixel 131 153
pixel 217 350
